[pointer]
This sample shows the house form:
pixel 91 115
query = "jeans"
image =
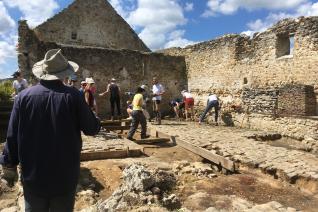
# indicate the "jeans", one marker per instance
pixel 138 117
pixel 113 102
pixel 62 203
pixel 210 105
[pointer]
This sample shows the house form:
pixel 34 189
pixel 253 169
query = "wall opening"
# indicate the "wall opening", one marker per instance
pixel 74 36
pixel 285 45
pixel 245 81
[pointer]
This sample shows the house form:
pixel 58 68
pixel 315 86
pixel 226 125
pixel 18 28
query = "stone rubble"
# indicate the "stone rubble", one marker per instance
pixel 142 187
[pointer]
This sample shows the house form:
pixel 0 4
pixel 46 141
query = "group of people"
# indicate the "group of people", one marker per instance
pixel 185 107
pixel 44 131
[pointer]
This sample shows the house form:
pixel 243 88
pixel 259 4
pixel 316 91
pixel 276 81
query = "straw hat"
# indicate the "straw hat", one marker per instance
pixel 144 87
pixel 54 66
pixel 90 80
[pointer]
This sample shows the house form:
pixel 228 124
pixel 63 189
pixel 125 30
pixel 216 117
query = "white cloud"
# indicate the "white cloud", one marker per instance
pixel 228 7
pixel 259 25
pixel 7 50
pixel 157 20
pixel 6 22
pixel 188 7
pixel 308 9
pixel 175 39
pixel 35 11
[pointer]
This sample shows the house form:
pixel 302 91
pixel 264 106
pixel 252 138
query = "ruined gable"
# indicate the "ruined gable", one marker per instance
pixel 90 23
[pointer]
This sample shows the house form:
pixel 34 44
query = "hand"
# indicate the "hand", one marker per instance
pixel 101 94
pixel 10 174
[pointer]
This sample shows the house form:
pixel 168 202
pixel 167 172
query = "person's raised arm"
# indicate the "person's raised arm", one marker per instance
pixel 107 90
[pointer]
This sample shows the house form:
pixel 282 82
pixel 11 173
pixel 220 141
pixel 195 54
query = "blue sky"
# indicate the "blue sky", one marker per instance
pixel 159 23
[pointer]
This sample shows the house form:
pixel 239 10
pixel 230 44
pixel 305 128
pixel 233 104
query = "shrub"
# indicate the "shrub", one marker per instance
pixel 6 90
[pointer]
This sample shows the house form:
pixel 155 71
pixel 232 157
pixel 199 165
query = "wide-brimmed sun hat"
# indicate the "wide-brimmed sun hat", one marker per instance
pixel 144 87
pixel 54 66
pixel 90 80
pixel 113 80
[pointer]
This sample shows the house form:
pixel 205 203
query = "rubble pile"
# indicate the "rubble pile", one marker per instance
pixel 143 187
pixel 197 169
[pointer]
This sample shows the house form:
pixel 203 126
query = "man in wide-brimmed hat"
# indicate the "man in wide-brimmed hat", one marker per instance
pixel 44 136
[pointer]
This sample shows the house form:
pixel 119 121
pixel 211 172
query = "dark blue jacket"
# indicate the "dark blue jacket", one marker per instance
pixel 44 136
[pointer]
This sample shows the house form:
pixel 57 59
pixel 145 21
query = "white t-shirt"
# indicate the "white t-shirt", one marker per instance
pixel 187 95
pixel 19 86
pixel 157 89
pixel 213 98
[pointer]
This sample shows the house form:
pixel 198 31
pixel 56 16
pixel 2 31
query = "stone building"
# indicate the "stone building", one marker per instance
pixel 90 23
pixel 271 76
pixel 254 70
pixel 93 35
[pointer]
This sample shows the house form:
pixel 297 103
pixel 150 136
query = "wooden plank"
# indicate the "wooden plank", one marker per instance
pixel 102 155
pixel 111 128
pixel 152 140
pixel 217 159
pixel 116 121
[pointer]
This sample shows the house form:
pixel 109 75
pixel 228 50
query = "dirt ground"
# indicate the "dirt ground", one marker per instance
pixel 249 185
pixel 103 177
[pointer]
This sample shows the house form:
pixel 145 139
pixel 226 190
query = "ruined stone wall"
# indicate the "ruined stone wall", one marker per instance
pixel 130 68
pixel 90 23
pixel 263 101
pixel 296 100
pixel 302 129
pixel 231 63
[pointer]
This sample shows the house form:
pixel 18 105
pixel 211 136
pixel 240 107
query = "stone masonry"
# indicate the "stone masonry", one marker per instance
pixel 90 23
pixel 131 68
pixel 231 63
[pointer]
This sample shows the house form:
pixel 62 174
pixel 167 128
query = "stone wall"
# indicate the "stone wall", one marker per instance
pixel 90 23
pixel 231 63
pixel 297 100
pixel 130 68
pixel 259 100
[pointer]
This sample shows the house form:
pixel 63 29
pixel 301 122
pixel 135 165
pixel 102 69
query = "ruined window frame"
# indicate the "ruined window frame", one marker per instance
pixel 74 35
pixel 285 44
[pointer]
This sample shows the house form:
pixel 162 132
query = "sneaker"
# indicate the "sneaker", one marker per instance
pixel 132 139
pixel 144 137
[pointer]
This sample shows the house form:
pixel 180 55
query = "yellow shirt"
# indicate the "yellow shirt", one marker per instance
pixel 138 102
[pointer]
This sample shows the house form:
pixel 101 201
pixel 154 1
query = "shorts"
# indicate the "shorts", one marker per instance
pixel 189 103
pixel 157 101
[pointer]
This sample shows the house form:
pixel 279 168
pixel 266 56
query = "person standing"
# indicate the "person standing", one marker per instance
pixel 82 88
pixel 157 92
pixel 44 136
pixel 212 102
pixel 114 90
pixel 19 84
pixel 138 116
pixel 188 104
pixel 90 89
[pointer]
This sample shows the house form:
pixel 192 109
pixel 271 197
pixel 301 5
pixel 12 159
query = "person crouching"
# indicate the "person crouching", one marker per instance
pixel 138 116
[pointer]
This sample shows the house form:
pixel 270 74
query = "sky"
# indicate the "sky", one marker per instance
pixel 159 23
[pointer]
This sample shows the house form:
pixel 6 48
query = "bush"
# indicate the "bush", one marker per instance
pixel 6 90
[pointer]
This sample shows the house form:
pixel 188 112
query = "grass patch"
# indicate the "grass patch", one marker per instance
pixel 6 90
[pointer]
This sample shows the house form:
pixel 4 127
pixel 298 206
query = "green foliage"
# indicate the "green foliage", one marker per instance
pixel 6 90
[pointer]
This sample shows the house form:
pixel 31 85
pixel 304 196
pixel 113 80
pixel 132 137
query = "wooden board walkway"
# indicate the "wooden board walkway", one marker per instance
pixel 215 158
